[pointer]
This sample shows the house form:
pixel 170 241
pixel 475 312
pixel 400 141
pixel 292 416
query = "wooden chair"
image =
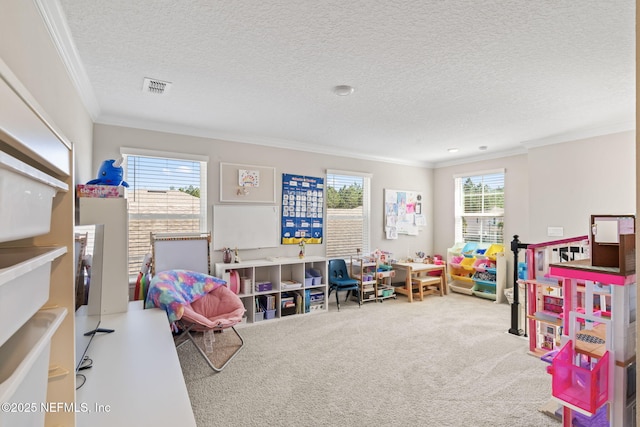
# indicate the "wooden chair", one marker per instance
pixel 425 284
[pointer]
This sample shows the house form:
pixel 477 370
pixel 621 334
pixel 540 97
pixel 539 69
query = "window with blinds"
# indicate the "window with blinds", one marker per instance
pixel 166 195
pixel 479 207
pixel 348 212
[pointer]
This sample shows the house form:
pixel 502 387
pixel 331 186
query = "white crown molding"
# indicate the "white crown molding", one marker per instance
pixel 555 139
pixel 56 23
pixel 246 139
pixel 582 134
pixel 479 158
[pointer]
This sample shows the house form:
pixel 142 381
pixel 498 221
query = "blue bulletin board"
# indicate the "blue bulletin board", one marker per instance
pixel 302 209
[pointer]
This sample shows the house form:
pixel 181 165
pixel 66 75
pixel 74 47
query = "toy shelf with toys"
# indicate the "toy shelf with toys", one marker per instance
pixel 375 274
pixel 477 269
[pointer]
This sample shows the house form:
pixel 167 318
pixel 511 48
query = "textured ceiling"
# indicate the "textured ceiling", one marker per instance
pixel 428 75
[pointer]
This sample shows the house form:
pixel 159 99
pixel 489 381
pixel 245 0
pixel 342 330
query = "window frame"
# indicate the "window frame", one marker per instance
pixel 366 208
pixel 127 152
pixel 460 215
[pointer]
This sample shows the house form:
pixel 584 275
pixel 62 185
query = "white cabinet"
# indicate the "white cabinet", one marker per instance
pixel 277 288
pixel 112 212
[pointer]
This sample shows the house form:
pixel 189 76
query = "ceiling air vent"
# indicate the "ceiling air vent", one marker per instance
pixel 155 86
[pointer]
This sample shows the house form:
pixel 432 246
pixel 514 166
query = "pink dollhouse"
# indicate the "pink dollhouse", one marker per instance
pixel 594 370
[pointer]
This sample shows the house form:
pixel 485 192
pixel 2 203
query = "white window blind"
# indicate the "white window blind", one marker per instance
pixel 480 207
pixel 348 213
pixel 165 195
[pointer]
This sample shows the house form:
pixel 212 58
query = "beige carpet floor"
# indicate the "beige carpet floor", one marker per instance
pixel 226 343
pixel 445 361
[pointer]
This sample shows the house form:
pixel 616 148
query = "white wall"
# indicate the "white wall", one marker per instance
pixel 109 139
pixel 557 185
pixel 571 181
pixel 27 48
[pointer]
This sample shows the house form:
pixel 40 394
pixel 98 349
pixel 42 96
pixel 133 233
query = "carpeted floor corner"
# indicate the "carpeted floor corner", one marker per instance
pixel 445 361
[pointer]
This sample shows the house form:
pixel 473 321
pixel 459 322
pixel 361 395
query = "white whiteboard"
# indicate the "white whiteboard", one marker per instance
pixel 181 254
pixel 245 227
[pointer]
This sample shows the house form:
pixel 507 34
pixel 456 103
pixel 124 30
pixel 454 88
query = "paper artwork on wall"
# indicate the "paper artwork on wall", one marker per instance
pixel 402 213
pixel 248 178
pixel 302 209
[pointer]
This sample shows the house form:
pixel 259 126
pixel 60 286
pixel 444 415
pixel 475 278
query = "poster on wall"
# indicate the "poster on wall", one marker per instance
pixel 403 213
pixel 302 209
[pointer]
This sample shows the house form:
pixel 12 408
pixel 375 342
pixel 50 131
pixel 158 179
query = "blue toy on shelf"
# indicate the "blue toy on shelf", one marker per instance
pixel 110 173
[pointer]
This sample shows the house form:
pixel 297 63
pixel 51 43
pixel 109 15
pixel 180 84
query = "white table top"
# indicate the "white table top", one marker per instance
pixel 419 266
pixel 136 379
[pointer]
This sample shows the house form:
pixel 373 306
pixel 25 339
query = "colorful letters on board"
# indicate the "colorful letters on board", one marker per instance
pixel 302 209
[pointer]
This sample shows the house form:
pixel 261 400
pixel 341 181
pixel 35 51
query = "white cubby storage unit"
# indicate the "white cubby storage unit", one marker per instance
pixel 36 261
pixel 279 287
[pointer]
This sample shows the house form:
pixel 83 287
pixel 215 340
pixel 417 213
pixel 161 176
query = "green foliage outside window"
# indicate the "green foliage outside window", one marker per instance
pixel 481 198
pixel 194 191
pixel 347 197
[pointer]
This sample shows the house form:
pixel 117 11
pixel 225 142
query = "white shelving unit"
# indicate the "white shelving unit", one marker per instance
pixel 287 277
pixel 37 271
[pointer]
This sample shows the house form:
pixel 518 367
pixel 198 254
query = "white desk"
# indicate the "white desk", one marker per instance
pixel 136 372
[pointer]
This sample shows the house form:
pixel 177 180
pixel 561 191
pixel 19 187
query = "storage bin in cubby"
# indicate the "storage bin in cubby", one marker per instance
pixel 493 251
pixel 289 303
pixel 483 264
pixel 456 260
pixel 456 249
pixel 464 270
pixel 26 199
pixel 479 252
pixel 469 249
pixel 288 311
pixel 467 264
pixel 316 276
pixel 483 291
pixel 462 285
pixel 24 284
pixel 484 277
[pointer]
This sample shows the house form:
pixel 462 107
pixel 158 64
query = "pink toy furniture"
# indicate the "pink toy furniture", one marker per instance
pixel 218 310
